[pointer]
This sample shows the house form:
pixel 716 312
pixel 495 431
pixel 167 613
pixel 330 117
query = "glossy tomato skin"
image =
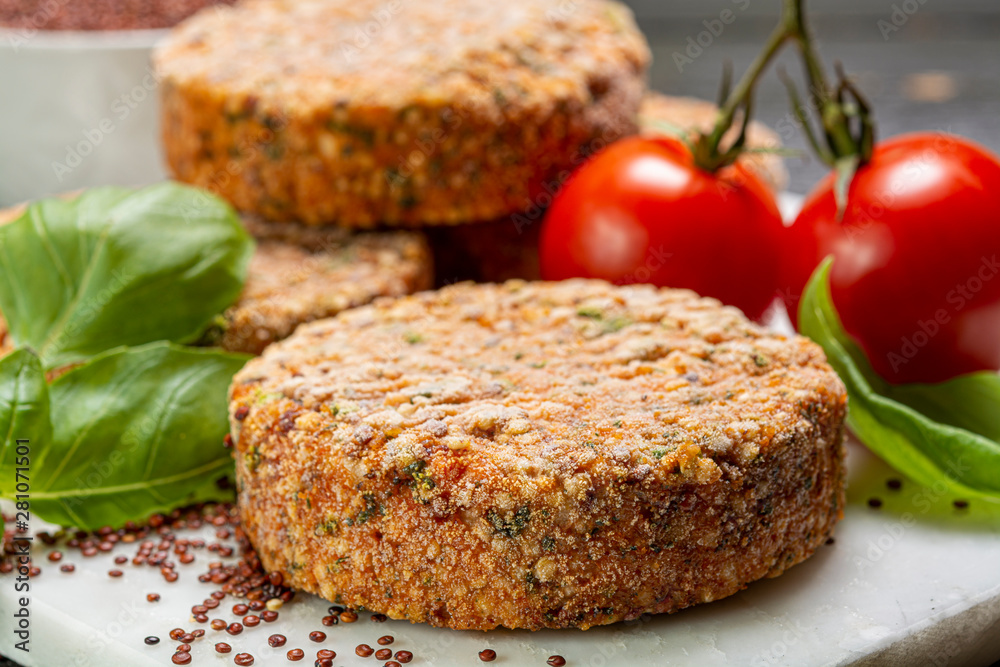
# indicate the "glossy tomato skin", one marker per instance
pixel 641 212
pixel 915 275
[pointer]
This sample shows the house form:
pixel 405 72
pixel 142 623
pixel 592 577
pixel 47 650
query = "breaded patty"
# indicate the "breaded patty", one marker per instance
pixel 503 249
pixel 535 455
pixel 423 112
pixel 299 274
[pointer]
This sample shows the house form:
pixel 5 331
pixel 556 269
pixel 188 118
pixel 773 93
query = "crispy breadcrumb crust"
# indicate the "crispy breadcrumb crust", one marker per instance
pixel 300 274
pixel 455 111
pixel 537 455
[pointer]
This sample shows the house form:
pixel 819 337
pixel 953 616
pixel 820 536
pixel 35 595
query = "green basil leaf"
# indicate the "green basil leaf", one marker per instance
pixel 969 401
pixel 934 434
pixel 24 414
pixel 118 267
pixel 139 430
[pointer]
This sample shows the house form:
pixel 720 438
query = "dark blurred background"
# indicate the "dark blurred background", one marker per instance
pixel 924 64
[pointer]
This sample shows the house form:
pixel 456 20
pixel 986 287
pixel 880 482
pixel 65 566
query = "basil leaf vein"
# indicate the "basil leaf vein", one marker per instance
pixel 118 267
pixel 139 430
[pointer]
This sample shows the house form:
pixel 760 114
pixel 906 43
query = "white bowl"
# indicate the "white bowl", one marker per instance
pixel 77 109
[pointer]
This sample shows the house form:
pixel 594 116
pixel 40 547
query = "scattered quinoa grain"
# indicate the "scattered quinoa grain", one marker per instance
pixel 295 654
pixel 364 650
pixel 67 567
pixel 348 616
pixel 383 653
pixel 223 647
pixel 386 640
pixel 961 504
pixel 234 628
pixel 487 655
pixel 152 640
pixel 181 658
pixel 243 659
pixel 556 661
pixel 404 656
pixel 326 654
pixel 317 636
pixel 874 503
pixel 274 641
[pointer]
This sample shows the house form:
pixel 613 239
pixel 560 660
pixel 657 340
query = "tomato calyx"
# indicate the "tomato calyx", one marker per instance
pixel 706 147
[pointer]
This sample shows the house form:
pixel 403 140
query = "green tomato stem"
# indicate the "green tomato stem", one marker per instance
pixel 834 111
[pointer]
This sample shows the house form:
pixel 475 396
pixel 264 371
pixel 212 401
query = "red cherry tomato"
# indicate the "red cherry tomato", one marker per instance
pixel 641 212
pixel 917 256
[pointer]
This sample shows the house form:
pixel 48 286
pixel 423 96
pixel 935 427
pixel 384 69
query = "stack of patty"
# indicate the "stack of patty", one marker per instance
pixel 527 455
pixel 458 117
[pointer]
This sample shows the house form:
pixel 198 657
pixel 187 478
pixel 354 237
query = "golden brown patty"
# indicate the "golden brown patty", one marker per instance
pixel 508 248
pixel 537 454
pixel 299 274
pixel 362 112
